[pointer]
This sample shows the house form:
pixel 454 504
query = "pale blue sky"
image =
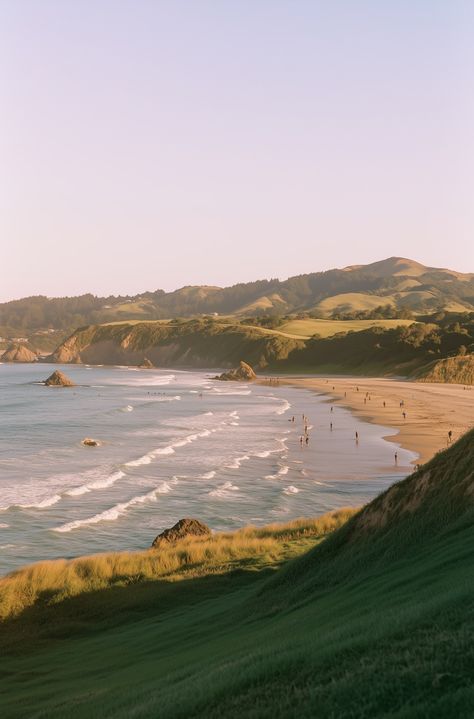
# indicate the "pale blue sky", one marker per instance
pixel 150 145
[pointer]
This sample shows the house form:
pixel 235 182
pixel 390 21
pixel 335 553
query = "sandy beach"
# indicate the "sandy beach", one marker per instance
pixel 431 410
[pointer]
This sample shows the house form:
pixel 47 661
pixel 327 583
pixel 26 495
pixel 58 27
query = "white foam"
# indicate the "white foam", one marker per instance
pixel 48 502
pixel 291 490
pixel 128 408
pixel 223 490
pixel 208 475
pixel 110 515
pixel 4 525
pixel 97 484
pixel 281 472
pixel 235 463
pixel 284 407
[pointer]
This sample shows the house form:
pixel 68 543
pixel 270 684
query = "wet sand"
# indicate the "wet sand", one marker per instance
pixel 432 410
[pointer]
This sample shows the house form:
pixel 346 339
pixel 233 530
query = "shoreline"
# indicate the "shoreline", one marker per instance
pixel 431 410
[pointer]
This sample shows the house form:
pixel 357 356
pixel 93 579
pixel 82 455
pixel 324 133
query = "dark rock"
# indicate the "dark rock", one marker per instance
pixel 243 373
pixel 184 528
pixel 58 379
pixel 146 364
pixel 89 442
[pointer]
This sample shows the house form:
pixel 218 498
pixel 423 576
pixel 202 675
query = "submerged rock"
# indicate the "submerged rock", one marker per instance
pixel 184 528
pixel 243 373
pixel 58 379
pixel 19 353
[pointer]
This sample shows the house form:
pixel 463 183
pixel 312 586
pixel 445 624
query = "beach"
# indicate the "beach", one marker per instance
pixel 431 410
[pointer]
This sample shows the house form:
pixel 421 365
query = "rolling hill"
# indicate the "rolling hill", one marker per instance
pixel 401 284
pixel 375 620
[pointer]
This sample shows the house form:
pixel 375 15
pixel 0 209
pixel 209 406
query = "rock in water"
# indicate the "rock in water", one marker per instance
pixel 146 364
pixel 19 353
pixel 89 442
pixel 243 373
pixel 58 379
pixel 184 528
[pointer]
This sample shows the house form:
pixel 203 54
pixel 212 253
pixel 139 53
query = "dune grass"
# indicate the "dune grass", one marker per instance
pixel 51 582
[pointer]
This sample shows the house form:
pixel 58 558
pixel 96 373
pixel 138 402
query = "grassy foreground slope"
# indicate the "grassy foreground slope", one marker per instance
pixel 375 621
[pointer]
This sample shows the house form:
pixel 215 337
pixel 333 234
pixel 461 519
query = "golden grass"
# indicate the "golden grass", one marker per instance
pixel 53 581
pixel 303 329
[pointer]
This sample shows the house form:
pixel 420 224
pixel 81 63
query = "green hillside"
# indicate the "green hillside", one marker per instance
pixel 377 620
pixel 399 286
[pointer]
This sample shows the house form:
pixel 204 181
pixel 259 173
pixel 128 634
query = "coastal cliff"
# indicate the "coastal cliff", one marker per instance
pixel 179 344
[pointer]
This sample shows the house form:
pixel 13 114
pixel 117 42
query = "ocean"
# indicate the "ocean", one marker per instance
pixel 173 444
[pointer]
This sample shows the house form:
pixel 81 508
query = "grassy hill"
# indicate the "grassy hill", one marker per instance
pixel 376 620
pixel 396 283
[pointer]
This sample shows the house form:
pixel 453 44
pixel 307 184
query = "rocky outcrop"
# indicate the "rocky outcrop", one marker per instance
pixel 184 528
pixel 243 373
pixel 58 379
pixel 89 442
pixel 19 353
pixel 146 364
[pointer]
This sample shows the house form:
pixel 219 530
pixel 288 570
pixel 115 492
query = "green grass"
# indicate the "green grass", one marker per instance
pixel 377 620
pixel 328 328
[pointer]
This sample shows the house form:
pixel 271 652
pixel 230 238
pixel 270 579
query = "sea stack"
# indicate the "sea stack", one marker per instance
pixel 146 364
pixel 243 373
pixel 184 528
pixel 58 379
pixel 19 353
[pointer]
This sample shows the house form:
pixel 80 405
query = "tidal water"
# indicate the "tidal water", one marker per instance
pixel 172 444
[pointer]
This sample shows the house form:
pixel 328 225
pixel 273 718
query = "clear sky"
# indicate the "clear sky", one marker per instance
pixel 150 144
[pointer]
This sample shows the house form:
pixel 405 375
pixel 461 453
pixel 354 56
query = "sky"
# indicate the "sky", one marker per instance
pixel 155 144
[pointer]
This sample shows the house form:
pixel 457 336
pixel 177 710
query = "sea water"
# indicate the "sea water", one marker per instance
pixel 173 444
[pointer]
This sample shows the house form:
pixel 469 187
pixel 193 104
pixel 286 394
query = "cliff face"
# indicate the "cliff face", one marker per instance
pixel 19 353
pixel 455 370
pixel 188 344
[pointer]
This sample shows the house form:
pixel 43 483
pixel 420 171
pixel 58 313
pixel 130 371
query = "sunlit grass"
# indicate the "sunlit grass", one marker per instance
pixel 54 581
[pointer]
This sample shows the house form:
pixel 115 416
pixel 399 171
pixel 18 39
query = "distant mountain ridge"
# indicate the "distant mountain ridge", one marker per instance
pixel 396 282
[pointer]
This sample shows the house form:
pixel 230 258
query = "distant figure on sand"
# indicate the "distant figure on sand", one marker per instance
pixel 357 436
pixel 330 426
pixel 301 440
pixel 450 436
pixel 396 457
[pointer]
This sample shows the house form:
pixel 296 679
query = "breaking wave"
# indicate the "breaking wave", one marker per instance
pixel 110 515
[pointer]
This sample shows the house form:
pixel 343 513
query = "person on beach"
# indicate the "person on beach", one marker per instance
pixel 330 426
pixel 396 457
pixel 404 415
pixel 301 440
pixel 357 437
pixel 450 436
pixel 384 403
pixel 307 439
